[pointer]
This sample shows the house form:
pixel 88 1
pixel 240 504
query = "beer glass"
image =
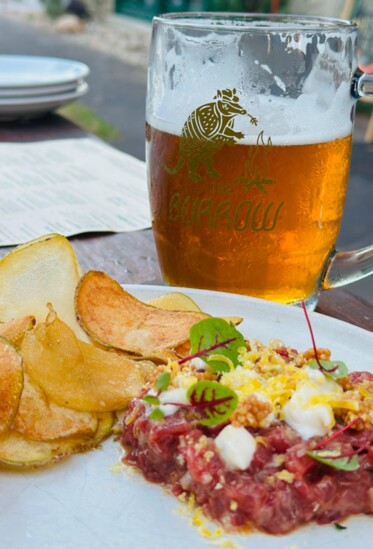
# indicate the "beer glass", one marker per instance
pixel 248 129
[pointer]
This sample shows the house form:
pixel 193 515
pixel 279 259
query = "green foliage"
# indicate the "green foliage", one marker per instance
pixel 53 8
pixel 336 369
pixel 333 458
pixel 163 381
pixel 89 121
pixel 212 401
pixel 215 336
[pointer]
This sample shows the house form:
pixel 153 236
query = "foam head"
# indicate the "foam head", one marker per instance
pixel 293 81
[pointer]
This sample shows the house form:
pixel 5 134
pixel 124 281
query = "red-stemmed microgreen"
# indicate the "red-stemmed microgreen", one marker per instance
pixel 212 402
pixel 211 334
pixel 346 461
pixel 161 384
pixel 336 434
pixel 156 414
pixel 163 381
pixel 151 399
pixel 333 458
pixel 336 369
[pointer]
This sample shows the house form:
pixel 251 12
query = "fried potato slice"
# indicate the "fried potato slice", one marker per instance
pixel 18 451
pixel 116 319
pixel 39 419
pixel 11 384
pixel 36 273
pixel 14 330
pixel 177 301
pixel 174 301
pixel 78 375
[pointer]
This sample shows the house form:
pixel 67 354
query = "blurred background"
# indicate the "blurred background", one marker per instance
pixel 112 37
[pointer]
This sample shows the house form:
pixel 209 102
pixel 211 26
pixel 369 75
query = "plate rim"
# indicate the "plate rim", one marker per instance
pixel 41 99
pixel 84 70
pixel 282 307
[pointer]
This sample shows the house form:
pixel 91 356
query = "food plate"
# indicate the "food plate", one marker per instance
pixel 36 105
pixel 24 71
pixel 32 91
pixel 87 501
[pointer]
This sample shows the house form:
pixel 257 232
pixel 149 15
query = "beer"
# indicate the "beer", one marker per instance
pixel 248 145
pixel 257 218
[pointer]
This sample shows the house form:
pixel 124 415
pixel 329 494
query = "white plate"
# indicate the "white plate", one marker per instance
pixel 24 71
pixel 12 93
pixel 81 503
pixel 11 109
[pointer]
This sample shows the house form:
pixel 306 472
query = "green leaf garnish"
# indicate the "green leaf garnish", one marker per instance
pixel 335 369
pixel 156 414
pixel 151 399
pixel 213 402
pixel 340 526
pixel 216 336
pixel 163 381
pixel 333 458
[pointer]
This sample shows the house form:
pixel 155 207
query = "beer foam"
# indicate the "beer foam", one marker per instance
pixel 270 73
pixel 305 120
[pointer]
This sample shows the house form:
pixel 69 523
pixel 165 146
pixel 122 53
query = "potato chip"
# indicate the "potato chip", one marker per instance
pixel 39 419
pixel 174 301
pixel 77 375
pixel 116 319
pixel 14 330
pixel 177 301
pixel 11 383
pixel 18 451
pixel 34 274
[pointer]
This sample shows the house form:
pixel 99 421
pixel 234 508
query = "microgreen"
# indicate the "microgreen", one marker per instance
pixel 347 461
pixel 161 384
pixel 335 459
pixel 212 401
pixel 211 334
pixel 156 414
pixel 163 381
pixel 340 526
pixel 336 434
pixel 332 368
pixel 151 399
pixel 335 369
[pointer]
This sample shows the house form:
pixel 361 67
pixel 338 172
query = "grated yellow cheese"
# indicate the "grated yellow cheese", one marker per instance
pixel 285 475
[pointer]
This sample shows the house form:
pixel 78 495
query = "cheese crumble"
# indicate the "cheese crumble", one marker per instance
pixel 273 383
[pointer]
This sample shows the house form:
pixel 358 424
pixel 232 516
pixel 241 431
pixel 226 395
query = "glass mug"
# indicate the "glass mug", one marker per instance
pixel 248 129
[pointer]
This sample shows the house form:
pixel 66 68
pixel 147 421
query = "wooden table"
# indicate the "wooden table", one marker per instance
pixel 131 258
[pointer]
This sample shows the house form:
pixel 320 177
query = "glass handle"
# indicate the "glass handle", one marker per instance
pixel 346 267
pixel 362 84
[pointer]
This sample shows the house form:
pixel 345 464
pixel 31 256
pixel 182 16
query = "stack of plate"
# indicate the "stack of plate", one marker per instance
pixel 31 86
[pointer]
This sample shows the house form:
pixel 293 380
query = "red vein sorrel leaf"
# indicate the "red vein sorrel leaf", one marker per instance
pixel 213 402
pixel 334 458
pixel 211 334
pixel 337 461
pixel 335 369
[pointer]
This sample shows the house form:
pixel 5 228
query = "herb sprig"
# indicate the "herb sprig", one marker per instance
pixel 336 369
pixel 162 383
pixel 210 335
pixel 347 461
pixel 213 402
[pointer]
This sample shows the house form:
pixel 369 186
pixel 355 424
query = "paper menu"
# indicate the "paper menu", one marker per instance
pixel 69 186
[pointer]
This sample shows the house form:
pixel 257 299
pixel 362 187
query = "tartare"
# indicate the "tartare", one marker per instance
pixel 262 437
